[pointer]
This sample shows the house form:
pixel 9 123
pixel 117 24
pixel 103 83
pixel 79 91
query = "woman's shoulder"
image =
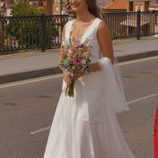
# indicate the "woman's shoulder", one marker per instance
pixel 101 24
pixel 69 22
pixel 67 27
pixel 101 21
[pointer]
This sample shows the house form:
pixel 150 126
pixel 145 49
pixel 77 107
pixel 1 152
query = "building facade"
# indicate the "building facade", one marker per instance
pixel 142 5
pixel 100 3
pixel 127 24
pixel 116 6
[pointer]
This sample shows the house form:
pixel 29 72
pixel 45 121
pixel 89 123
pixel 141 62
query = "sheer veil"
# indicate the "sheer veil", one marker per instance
pixel 114 85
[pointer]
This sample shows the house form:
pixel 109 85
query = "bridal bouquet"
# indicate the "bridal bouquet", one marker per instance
pixel 76 59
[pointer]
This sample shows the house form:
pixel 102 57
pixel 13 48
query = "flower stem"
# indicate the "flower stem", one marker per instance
pixel 70 89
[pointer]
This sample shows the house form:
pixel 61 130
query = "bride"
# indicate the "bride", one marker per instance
pixel 85 126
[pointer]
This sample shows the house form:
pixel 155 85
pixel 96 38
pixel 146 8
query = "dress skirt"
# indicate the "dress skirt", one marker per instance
pixel 85 126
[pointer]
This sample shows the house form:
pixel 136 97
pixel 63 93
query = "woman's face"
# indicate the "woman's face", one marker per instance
pixel 78 5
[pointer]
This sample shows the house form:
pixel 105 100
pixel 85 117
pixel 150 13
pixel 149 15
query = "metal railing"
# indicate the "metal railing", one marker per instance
pixel 31 32
pixel 132 24
pixel 44 32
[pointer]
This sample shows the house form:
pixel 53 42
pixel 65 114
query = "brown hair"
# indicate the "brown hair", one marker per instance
pixel 92 8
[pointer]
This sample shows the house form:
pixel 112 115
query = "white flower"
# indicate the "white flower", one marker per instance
pixel 83 62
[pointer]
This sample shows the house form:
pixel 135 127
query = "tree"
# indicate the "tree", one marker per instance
pixel 2 12
pixel 27 25
pixel 24 30
pixel 25 9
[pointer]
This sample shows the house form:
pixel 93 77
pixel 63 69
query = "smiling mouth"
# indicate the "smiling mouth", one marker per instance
pixel 75 5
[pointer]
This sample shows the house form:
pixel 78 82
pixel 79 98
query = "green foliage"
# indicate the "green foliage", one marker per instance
pixel 118 35
pixel 24 9
pixel 26 30
pixel 2 34
pixel 51 32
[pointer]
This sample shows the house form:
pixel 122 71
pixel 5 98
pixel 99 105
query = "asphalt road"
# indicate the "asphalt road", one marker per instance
pixel 27 108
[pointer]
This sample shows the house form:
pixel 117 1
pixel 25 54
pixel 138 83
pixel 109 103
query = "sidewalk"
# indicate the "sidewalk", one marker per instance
pixel 35 64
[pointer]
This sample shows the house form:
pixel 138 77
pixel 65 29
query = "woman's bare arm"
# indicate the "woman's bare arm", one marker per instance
pixel 60 52
pixel 60 57
pixel 105 41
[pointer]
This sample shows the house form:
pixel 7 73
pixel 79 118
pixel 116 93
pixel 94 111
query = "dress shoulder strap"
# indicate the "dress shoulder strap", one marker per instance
pixel 98 21
pixel 68 28
pixel 92 33
pixel 96 24
pixel 92 29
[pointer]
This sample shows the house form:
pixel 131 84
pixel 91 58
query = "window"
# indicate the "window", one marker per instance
pixel 130 6
pixel 136 8
pixel 57 9
pixel 141 8
pixel 41 2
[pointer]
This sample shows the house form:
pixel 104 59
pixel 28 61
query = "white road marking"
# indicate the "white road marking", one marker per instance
pixel 60 75
pixel 40 130
pixel 142 98
pixel 129 102
pixel 27 81
pixel 138 60
pixel 12 84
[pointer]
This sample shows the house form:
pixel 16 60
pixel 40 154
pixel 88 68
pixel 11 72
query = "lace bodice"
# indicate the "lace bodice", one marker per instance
pixel 90 34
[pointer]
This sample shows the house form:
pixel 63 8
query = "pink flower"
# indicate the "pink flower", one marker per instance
pixel 75 62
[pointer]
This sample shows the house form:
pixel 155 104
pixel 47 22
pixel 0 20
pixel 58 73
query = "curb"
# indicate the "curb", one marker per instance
pixel 137 56
pixel 56 70
pixel 25 54
pixel 29 75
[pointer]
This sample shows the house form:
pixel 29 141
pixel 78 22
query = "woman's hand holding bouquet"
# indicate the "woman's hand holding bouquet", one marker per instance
pixel 75 62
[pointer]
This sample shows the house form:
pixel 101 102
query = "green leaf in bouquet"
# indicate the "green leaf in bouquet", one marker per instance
pixel 65 62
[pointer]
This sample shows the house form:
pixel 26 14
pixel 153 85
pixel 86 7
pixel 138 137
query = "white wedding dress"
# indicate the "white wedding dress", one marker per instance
pixel 85 126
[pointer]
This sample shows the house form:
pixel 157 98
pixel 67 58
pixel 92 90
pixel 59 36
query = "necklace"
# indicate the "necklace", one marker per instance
pixel 80 28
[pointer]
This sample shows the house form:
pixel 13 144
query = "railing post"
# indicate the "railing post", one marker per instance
pixel 138 24
pixel 42 32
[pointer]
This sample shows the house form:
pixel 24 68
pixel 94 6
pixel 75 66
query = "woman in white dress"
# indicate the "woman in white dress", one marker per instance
pixel 85 126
